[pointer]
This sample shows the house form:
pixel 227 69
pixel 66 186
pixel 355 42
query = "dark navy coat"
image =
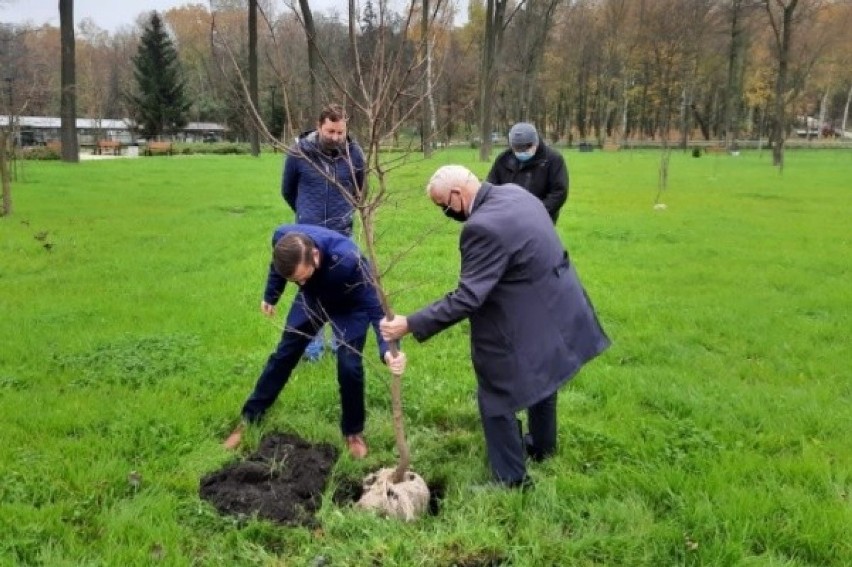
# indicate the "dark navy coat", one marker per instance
pixel 532 324
pixel 340 290
pixel 310 178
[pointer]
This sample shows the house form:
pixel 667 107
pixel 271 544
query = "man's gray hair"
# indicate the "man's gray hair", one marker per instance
pixel 449 176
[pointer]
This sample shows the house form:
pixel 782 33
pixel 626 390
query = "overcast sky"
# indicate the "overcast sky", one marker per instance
pixel 113 14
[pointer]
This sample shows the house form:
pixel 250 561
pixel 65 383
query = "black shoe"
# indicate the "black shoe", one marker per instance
pixel 523 485
pixel 533 452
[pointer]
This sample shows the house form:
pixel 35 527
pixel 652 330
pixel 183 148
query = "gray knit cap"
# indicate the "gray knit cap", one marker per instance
pixel 523 134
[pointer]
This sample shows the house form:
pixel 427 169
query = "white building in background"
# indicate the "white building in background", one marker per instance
pixel 38 130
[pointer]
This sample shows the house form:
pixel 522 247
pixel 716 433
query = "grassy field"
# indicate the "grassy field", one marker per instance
pixel 716 431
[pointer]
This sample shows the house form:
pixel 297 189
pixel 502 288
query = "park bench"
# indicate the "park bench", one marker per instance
pixel 715 149
pixel 108 146
pixel 611 147
pixel 159 148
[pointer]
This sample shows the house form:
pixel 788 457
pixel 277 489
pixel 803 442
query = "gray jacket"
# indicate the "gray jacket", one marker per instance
pixel 532 324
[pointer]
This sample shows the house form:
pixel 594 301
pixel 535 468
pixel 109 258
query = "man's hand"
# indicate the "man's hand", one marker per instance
pixel 396 364
pixel 394 329
pixel 267 308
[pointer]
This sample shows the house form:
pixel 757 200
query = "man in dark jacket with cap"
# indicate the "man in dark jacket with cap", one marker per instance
pixel 534 166
pixel 532 326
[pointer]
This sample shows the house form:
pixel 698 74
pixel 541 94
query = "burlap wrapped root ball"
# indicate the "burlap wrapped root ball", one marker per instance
pixel 405 500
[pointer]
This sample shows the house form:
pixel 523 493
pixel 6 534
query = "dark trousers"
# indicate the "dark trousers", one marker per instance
pixel 350 330
pixel 508 449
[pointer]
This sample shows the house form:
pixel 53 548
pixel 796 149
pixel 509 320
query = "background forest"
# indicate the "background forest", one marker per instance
pixel 614 70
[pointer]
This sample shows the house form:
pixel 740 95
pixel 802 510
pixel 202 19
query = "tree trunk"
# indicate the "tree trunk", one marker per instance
pixel 5 177
pixel 313 59
pixel 428 119
pixel 846 114
pixel 495 11
pixel 538 23
pixel 733 90
pixel 823 109
pixel 625 105
pixel 68 82
pixel 783 40
pixel 254 132
pixel 702 123
pixel 685 104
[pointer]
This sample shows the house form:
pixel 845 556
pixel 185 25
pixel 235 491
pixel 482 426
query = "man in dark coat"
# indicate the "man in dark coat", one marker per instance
pixel 323 175
pixel 335 285
pixel 534 166
pixel 532 324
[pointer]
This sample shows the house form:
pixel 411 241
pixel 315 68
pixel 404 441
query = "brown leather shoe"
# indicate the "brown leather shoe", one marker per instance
pixel 356 445
pixel 233 440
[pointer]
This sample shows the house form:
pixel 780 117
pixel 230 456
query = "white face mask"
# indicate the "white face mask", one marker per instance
pixel 527 155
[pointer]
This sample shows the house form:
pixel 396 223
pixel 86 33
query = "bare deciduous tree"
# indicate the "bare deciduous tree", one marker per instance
pixel 495 25
pixel 383 91
pixel 313 56
pixel 68 112
pixel 254 135
pixel 782 29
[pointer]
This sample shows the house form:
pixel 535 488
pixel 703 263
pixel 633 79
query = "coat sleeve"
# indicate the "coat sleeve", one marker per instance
pixel 557 184
pixel 290 179
pixel 484 262
pixel 376 315
pixel 275 284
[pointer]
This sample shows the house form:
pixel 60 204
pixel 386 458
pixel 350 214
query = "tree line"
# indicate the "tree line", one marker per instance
pixel 602 70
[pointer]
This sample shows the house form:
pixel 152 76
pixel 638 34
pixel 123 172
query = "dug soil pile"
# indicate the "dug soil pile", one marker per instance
pixel 282 481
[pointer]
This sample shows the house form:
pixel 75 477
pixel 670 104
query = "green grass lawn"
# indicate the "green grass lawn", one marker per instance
pixel 717 430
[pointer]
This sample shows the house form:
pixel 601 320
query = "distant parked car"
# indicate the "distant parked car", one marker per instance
pixel 828 131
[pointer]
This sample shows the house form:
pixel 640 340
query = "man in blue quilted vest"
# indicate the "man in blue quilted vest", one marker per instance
pixel 323 175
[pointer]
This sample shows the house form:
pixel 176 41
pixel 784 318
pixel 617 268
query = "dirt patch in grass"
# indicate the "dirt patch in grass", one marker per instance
pixel 282 481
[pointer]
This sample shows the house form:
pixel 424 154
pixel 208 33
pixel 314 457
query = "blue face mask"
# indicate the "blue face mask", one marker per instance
pixel 524 156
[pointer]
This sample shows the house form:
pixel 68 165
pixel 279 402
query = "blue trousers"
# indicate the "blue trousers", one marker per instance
pixel 302 324
pixel 318 344
pixel 508 448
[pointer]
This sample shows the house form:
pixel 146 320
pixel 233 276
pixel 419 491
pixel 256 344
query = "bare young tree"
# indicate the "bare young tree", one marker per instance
pixel 428 114
pixel 383 91
pixel 17 90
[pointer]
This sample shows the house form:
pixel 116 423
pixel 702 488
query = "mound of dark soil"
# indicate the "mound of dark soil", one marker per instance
pixel 283 481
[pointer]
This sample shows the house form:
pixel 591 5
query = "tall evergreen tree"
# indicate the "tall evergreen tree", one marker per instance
pixel 159 104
